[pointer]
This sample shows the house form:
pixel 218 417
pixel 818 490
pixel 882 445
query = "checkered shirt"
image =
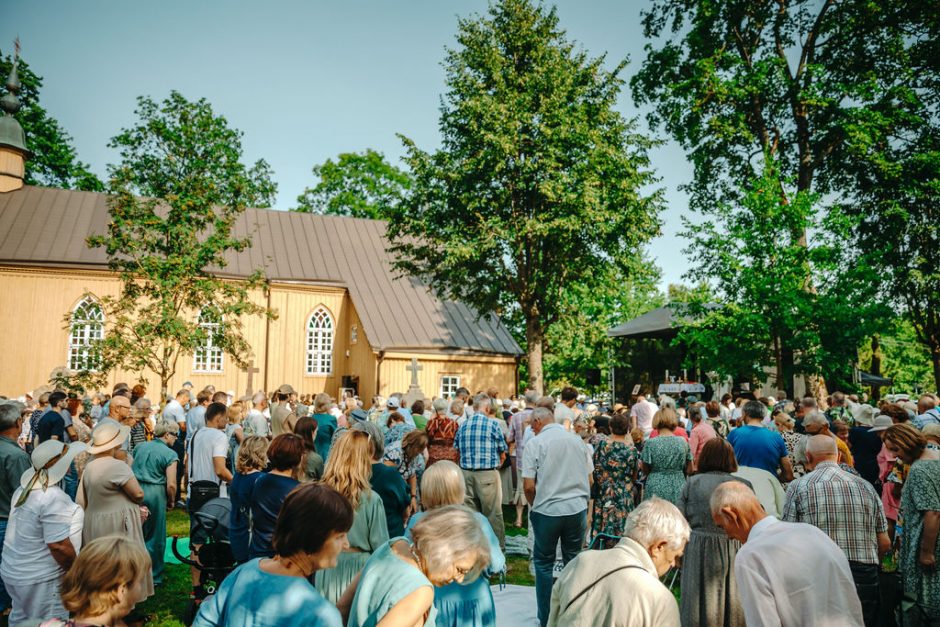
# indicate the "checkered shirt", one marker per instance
pixel 844 506
pixel 480 441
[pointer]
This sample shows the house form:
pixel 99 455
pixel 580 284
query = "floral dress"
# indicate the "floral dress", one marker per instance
pixel 615 465
pixel 667 457
pixel 921 495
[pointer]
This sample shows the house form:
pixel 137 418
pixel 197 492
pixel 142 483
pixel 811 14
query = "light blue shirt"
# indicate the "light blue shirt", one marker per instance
pixel 195 420
pixel 560 463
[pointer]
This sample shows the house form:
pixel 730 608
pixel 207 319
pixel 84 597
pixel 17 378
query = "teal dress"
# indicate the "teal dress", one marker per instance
pixel 667 456
pixel 151 459
pixel 471 604
pixel 386 580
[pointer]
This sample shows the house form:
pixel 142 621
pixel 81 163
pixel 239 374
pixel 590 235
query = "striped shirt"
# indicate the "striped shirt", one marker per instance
pixel 480 442
pixel 842 505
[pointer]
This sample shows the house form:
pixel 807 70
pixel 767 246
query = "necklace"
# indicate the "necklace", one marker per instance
pixel 414 554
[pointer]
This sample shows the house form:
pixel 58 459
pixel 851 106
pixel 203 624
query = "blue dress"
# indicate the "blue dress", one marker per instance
pixel 239 535
pixel 250 597
pixel 385 580
pixel 468 605
pixel 267 496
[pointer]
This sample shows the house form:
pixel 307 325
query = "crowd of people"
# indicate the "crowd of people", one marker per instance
pixel 767 511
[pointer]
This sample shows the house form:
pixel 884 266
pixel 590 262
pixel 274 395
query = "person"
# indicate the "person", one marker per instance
pixel 616 462
pixel 557 474
pixel 43 535
pixel 865 445
pixel 387 482
pixel 255 422
pixel 252 459
pixel 849 511
pixel 483 450
pixel 276 591
pixel 518 425
pixel 717 416
pixel 816 423
pixel 457 604
pixel 441 430
pixel 270 489
pixel 110 493
pixel 396 587
pixel 793 441
pixel 52 423
pixel 920 511
pixel 838 410
pixel 306 428
pixel 396 427
pixel 641 414
pixel 155 468
pixel 788 574
pixel 709 592
pixel 417 414
pixel 702 432
pixel 326 424
pixel 14 461
pixel 234 431
pixel 348 471
pixel 407 455
pixel 283 417
pixel 666 460
pixel 109 577
pixel 758 447
pixel 175 411
pixel 927 412
pixel 591 588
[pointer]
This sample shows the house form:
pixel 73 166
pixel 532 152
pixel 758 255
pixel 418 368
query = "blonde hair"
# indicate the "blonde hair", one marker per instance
pixel 236 413
pixel 442 484
pixel 349 466
pixel 321 403
pixel 90 586
pixel 252 454
pixel 448 534
pixel 665 418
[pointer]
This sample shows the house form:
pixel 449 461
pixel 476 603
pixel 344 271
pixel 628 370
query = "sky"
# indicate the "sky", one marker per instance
pixel 303 80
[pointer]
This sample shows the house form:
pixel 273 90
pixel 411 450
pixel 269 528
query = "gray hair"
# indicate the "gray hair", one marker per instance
pixel 10 412
pixel 258 398
pixel 480 401
pixel 456 407
pixel 375 434
pixel 667 402
pixel 547 402
pixel 655 520
pixel 815 418
pixel 754 410
pixel 818 445
pixel 531 397
pixel 543 415
pixel 439 405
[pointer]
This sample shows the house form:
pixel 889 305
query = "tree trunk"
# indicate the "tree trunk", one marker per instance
pixel 786 358
pixel 935 358
pixel 535 341
pixel 875 367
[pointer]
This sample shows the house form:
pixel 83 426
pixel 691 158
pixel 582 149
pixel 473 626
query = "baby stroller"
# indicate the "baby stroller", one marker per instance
pixel 215 555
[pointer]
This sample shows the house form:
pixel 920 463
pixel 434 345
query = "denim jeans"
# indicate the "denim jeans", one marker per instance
pixel 5 600
pixel 548 531
pixel 70 481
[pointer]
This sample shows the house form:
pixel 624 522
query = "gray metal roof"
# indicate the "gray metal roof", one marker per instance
pixel 47 227
pixel 662 322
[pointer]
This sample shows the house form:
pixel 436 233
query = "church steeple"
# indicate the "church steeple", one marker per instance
pixel 13 152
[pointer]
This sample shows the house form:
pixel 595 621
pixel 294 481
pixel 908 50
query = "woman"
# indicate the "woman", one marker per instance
pixel 110 494
pixel 137 393
pixel 702 432
pixel 234 431
pixel 666 459
pixel 387 483
pixel 270 490
pixel 615 472
pixel 252 459
pixel 155 469
pixel 109 577
pixel 396 427
pixel 82 423
pixel 276 591
pixel 459 605
pixel 717 418
pixel 866 445
pixel 306 428
pixel 407 455
pixel 397 584
pixel 709 592
pixel 792 439
pixel 441 430
pixel 417 414
pixel 920 511
pixel 348 471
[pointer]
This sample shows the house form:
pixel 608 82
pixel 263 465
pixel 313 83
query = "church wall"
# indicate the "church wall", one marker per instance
pixel 476 373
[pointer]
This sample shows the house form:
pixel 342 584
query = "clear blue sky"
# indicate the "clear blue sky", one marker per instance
pixel 304 80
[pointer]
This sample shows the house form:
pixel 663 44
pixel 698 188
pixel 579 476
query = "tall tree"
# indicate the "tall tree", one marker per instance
pixel 538 186
pixel 54 162
pixel 360 185
pixel 176 194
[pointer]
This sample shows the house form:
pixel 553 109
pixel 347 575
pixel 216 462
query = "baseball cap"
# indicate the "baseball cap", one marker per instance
pixel 285 389
pixel 393 402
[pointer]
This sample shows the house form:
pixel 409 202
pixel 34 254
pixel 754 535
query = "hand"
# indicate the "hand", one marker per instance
pixel 144 514
pixel 927 561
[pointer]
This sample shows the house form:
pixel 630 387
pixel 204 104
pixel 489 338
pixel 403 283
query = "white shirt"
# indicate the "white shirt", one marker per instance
pixel 209 444
pixel 557 460
pixel 45 518
pixel 793 575
pixel 256 423
pixel 643 412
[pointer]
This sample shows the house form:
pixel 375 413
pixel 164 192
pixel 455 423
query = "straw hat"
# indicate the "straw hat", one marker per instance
pixel 51 461
pixel 107 435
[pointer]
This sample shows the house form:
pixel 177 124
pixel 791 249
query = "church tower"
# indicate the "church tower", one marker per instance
pixel 13 153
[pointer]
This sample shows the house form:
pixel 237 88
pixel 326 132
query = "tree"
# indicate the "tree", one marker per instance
pixel 54 162
pixel 538 185
pixel 361 185
pixel 176 194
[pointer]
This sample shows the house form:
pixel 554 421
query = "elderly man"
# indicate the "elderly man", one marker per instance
pixel 620 586
pixel 816 423
pixel 927 412
pixel 849 511
pixel 255 423
pixel 759 447
pixel 13 463
pixel 788 574
pixel 283 417
pixel 556 473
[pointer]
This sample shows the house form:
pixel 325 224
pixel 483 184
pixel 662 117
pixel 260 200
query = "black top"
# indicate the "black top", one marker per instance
pixel 865 448
pixel 51 424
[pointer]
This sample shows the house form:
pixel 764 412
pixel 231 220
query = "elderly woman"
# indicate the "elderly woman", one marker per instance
pixel 155 469
pixel 277 590
pixel 616 461
pixel 459 605
pixel 441 430
pixel 270 490
pixel 666 459
pixel 793 440
pixel 590 590
pixel 43 535
pixel 920 510
pixel 397 585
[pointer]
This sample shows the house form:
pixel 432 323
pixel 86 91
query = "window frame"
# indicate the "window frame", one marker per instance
pixel 81 332
pixel 319 342
pixel 209 352
pixel 455 386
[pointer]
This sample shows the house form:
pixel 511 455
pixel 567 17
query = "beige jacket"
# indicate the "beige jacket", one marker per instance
pixel 632 597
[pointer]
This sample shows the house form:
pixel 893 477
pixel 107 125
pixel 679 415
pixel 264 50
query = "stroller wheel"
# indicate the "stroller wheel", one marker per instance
pixel 190 615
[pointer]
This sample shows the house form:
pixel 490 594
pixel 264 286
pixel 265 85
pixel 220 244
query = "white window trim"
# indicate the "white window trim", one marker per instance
pixel 455 386
pixel 209 349
pixel 85 324
pixel 315 355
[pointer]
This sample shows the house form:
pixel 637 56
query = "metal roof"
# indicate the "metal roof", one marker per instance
pixel 662 322
pixel 47 227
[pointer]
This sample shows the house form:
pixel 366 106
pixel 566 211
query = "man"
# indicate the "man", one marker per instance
pixel 849 511
pixel 283 417
pixel 483 449
pixel 839 411
pixel 175 412
pixel 120 389
pixel 758 447
pixel 52 424
pixel 816 423
pixel 34 419
pixel 518 424
pixel 927 412
pixel 326 424
pixel 196 416
pixel 13 463
pixel 621 586
pixel 463 394
pixel 394 404
pixel 641 415
pixel 806 406
pixel 564 409
pixel 255 422
pixel 556 472
pixel 788 574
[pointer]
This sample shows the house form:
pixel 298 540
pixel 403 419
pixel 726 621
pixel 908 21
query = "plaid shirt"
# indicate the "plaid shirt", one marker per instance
pixel 480 441
pixel 844 506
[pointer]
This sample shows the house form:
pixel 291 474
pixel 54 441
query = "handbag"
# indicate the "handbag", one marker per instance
pixel 202 491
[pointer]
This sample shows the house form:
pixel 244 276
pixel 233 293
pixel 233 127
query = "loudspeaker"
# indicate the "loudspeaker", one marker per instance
pixel 592 377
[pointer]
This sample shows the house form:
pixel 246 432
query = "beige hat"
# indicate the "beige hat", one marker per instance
pixel 286 389
pixel 882 423
pixel 51 461
pixel 107 435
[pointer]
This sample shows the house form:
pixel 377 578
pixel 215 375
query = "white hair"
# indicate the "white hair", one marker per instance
pixel 480 401
pixel 815 418
pixel 656 520
pixel 531 397
pixel 667 402
pixel 258 397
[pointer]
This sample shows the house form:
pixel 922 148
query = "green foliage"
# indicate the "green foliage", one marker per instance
pixel 904 359
pixel 539 185
pixel 361 185
pixel 175 198
pixel 54 162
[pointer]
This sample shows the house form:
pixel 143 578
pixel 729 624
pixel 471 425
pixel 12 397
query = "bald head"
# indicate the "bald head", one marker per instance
pixel 822 445
pixel 736 509
pixel 120 408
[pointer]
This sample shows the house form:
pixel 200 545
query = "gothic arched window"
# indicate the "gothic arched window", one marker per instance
pixel 86 331
pixel 320 331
